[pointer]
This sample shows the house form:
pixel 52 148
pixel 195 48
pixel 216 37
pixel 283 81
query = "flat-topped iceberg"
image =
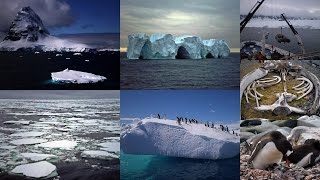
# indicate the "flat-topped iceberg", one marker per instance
pixel 165 46
pixel 78 77
pixel 152 136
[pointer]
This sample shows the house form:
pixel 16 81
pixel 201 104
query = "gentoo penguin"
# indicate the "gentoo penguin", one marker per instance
pixel 307 154
pixel 270 149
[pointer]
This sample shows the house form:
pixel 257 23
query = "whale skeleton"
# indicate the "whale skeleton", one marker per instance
pixel 251 91
pixel 304 88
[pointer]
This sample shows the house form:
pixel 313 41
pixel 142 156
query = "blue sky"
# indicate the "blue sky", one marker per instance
pixel 94 16
pixel 215 105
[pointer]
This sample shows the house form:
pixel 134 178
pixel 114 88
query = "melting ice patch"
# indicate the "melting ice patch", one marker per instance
pixel 35 170
pixel 78 77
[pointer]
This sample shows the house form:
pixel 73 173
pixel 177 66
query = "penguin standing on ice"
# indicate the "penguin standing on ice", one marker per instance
pixel 269 150
pixel 307 154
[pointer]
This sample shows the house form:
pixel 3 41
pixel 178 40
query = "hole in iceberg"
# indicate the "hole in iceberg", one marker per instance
pixel 182 53
pixel 209 55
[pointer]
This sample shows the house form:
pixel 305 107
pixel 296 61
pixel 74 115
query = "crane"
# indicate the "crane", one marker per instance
pixel 295 32
pixel 250 14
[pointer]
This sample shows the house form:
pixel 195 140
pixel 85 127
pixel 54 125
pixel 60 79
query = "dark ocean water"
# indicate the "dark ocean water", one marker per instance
pixel 134 167
pixel 27 70
pixel 309 38
pixel 180 74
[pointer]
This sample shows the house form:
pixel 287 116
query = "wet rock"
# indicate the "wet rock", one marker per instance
pixel 310 121
pixel 266 125
pixel 285 123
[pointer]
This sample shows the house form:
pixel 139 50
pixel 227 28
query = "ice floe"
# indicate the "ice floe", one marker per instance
pixel 62 144
pixel 38 156
pixel 28 141
pixel 35 170
pixel 28 134
pixel 110 146
pixel 98 154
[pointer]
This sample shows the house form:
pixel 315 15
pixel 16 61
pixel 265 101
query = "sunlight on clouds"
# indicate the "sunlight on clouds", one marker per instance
pixel 179 16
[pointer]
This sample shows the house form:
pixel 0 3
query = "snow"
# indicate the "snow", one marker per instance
pixel 152 136
pixel 17 122
pixel 35 170
pixel 78 77
pixel 77 54
pixel 62 144
pixel 49 43
pixel 28 134
pixel 28 141
pixel 37 156
pixel 98 154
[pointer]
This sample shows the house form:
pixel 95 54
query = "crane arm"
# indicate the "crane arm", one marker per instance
pixel 245 21
pixel 295 32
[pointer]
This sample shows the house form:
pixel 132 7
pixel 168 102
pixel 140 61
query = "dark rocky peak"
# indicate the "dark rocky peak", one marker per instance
pixel 27 25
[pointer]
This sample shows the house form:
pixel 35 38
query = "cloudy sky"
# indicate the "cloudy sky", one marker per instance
pixel 294 8
pixel 67 16
pixel 204 18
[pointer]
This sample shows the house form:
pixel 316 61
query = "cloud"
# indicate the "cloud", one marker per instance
pixel 212 111
pixel 54 13
pixel 293 8
pixel 207 18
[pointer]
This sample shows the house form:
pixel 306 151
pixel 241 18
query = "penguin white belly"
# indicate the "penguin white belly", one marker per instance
pixel 305 161
pixel 267 156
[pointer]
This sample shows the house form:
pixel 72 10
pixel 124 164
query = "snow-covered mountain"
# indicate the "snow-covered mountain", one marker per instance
pixel 152 136
pixel 28 31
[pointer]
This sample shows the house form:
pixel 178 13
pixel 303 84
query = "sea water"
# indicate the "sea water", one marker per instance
pixel 181 73
pixel 161 167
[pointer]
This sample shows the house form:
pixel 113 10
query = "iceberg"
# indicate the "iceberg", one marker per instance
pixel 165 46
pixel 152 136
pixel 35 170
pixel 78 77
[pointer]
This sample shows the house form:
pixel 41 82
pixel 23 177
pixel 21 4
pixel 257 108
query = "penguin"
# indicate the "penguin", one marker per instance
pixel 269 150
pixel 158 116
pixel 306 155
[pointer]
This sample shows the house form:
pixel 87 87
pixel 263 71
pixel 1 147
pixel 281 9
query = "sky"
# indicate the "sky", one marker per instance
pixel 293 8
pixel 58 94
pixel 208 105
pixel 67 16
pixel 217 19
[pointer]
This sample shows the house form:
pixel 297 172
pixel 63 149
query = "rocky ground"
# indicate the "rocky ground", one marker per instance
pixel 253 128
pixel 283 171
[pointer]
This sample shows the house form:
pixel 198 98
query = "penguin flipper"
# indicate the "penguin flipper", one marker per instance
pixel 257 149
